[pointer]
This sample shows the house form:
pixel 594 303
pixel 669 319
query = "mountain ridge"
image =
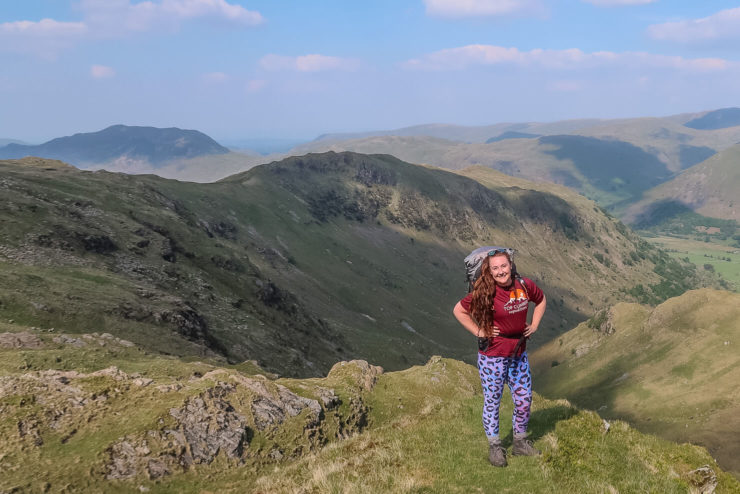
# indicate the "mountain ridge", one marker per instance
pixel 121 142
pixel 306 257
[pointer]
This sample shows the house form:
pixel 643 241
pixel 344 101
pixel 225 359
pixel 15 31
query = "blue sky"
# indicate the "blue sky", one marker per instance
pixel 243 69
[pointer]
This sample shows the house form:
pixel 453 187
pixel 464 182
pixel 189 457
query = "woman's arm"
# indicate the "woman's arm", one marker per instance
pixel 467 321
pixel 539 311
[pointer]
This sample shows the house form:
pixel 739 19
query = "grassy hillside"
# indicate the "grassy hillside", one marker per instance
pixel 91 413
pixel 708 189
pixel 717 119
pixel 712 256
pixel 672 370
pixel 303 262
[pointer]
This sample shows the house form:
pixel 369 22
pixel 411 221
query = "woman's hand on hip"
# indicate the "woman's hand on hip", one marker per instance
pixel 529 330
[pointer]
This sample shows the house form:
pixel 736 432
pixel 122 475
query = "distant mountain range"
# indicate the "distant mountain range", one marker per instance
pixel 611 161
pixel 708 120
pixel 5 142
pixel 121 143
pixel 718 119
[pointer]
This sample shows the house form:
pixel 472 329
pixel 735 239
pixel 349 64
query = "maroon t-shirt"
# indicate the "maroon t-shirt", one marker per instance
pixel 510 316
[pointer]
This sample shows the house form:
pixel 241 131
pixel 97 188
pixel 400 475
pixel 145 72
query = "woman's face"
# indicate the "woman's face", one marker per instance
pixel 500 269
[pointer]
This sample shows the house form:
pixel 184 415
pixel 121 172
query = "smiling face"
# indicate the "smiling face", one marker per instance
pixel 500 268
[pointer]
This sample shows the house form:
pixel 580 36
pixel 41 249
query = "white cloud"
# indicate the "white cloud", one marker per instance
pixel 479 8
pixel 618 3
pixel 44 27
pixel 118 18
pixel 307 63
pixel 481 55
pixel 101 72
pixel 724 25
pixel 44 38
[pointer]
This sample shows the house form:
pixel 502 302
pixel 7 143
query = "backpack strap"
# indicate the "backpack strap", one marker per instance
pixel 519 343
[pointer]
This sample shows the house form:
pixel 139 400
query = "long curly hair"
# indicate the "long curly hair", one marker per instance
pixel 484 292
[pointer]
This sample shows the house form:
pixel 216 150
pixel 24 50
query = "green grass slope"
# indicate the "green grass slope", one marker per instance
pixel 91 413
pixel 303 262
pixel 672 370
pixel 708 189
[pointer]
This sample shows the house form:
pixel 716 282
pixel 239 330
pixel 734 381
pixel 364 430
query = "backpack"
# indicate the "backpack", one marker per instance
pixel 474 260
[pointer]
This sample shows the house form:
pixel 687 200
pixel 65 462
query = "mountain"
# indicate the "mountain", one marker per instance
pixel 636 153
pixel 606 170
pixel 717 119
pixel 708 189
pixel 94 413
pixel 671 370
pixel 303 262
pixel 5 142
pixel 462 133
pixel 123 144
pixel 510 134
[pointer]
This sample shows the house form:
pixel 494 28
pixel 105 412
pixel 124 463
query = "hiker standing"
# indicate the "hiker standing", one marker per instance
pixel 496 312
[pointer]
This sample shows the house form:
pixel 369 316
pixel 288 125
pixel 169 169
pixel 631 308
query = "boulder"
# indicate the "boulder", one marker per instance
pixel 20 340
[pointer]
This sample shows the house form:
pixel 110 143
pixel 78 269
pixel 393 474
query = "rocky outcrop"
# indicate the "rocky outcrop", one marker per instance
pixel 217 414
pixel 270 408
pixel 361 373
pixel 225 418
pixel 209 424
pixel 20 340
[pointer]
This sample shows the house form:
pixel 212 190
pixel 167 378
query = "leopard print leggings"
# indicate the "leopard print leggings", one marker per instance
pixel 514 372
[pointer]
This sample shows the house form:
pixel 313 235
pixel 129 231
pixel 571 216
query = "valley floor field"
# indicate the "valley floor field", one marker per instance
pixel 724 259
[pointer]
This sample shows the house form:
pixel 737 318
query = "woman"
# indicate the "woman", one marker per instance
pixel 497 309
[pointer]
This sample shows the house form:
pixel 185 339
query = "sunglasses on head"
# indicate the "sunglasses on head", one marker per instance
pixel 497 251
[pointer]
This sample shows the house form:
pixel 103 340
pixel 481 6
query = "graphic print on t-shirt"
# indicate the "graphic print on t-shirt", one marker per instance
pixel 517 301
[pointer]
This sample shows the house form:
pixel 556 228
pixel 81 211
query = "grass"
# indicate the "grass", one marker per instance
pixel 423 434
pixel 653 368
pixel 723 259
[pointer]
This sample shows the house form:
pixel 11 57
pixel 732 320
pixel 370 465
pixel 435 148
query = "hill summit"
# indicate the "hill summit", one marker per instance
pixel 146 144
pixel 95 413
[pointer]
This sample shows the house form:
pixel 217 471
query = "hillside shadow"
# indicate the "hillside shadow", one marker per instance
pixel 542 422
pixel 610 165
pixel 692 155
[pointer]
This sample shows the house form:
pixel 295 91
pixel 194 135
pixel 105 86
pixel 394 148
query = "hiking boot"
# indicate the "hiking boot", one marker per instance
pixel 497 455
pixel 524 447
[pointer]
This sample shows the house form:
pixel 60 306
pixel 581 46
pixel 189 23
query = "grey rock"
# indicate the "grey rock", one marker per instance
pixel 209 424
pixel 328 398
pixel 703 480
pixel 64 339
pixel 270 410
pixel 20 340
pixel 365 374
pixel 124 461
